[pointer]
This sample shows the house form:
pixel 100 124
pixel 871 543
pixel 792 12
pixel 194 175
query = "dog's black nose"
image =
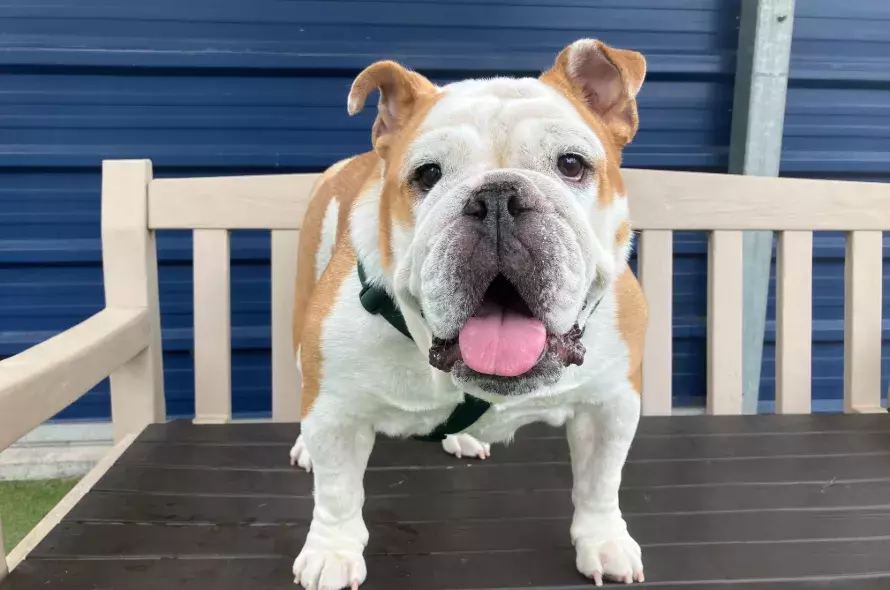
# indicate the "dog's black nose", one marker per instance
pixel 496 202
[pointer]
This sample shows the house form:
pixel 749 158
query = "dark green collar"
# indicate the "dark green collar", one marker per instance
pixel 377 301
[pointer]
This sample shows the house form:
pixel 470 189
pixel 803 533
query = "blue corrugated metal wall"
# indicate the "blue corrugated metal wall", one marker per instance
pixel 257 86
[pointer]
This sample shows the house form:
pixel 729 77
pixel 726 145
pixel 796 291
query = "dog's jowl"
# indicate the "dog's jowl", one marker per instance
pixel 469 276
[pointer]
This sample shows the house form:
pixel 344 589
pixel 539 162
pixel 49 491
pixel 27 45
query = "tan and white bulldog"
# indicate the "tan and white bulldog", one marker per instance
pixel 493 215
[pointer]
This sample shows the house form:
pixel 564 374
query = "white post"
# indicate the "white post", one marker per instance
pixel 129 259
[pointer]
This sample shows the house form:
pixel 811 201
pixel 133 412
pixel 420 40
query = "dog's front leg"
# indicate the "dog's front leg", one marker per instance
pixel 599 438
pixel 332 557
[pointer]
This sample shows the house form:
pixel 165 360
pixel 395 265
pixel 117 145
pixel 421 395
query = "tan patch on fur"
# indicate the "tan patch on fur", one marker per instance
pixel 608 174
pixel 320 306
pixel 397 198
pixel 622 234
pixel 342 181
pixel 633 317
pixel 613 137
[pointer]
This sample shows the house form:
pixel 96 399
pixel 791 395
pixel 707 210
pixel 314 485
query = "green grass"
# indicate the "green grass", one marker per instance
pixel 24 503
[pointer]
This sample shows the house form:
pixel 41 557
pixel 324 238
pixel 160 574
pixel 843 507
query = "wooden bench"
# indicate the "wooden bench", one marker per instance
pixel 747 501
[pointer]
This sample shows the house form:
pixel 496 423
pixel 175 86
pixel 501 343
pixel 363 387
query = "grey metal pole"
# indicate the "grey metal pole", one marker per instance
pixel 758 114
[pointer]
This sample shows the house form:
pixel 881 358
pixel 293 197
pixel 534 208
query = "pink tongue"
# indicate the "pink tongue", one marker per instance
pixel 501 342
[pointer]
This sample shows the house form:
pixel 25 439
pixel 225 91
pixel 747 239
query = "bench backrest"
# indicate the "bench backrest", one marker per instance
pixel 661 202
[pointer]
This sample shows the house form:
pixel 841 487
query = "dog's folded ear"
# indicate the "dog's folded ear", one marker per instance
pixel 605 79
pixel 400 90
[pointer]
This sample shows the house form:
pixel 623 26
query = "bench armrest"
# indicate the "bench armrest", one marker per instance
pixel 45 379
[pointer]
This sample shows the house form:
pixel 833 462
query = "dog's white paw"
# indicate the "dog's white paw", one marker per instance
pixel 299 455
pixel 618 558
pixel 464 445
pixel 327 569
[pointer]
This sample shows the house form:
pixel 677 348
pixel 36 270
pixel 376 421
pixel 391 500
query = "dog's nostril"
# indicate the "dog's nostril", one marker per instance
pixel 513 206
pixel 476 208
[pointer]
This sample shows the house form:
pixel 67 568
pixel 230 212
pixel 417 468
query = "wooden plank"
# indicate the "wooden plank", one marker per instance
pixel 474 536
pixel 863 272
pixel 794 323
pixel 725 323
pixel 699 201
pixel 232 202
pixel 852 565
pixel 657 278
pixel 213 331
pixel 130 273
pixel 389 454
pixel 487 476
pixel 183 431
pixel 760 425
pixel 285 376
pixel 47 378
pixel 100 506
pixel 36 536
pixel 662 200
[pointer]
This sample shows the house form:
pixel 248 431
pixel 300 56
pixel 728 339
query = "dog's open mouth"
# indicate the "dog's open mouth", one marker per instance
pixel 503 338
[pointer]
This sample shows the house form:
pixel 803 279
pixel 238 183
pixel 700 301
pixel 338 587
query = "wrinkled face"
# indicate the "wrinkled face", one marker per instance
pixel 513 223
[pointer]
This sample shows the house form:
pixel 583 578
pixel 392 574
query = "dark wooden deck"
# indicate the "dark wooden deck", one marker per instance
pixel 739 503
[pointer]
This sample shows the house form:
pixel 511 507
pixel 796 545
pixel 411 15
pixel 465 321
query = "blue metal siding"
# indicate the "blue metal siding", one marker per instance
pixel 257 86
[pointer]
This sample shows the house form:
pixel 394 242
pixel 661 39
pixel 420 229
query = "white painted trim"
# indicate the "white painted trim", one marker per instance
pixel 50 462
pixel 55 516
pixel 68 433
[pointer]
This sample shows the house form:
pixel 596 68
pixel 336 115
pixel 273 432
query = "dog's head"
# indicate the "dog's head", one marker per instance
pixel 502 217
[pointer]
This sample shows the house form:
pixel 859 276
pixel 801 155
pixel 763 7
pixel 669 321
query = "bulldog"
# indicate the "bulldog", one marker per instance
pixel 466 277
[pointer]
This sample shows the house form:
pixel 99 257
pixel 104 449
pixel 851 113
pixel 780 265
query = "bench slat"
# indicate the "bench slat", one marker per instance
pixel 285 376
pixel 794 322
pixel 659 199
pixel 230 202
pixel 657 278
pixel 725 323
pixel 213 347
pixel 863 271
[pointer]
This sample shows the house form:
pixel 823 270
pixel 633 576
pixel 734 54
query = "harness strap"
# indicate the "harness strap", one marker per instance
pixel 377 301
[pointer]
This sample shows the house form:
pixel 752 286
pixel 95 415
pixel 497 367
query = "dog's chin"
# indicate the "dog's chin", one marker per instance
pixel 502 338
pixel 546 372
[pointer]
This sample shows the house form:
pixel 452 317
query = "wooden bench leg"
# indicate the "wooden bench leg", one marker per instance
pixel 130 265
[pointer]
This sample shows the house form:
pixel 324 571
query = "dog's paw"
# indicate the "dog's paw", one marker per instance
pixel 327 569
pixel 299 455
pixel 464 445
pixel 618 558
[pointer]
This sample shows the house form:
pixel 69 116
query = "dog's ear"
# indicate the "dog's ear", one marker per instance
pixel 606 80
pixel 400 89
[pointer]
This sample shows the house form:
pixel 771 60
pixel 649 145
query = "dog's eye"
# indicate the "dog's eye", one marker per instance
pixel 571 166
pixel 427 176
